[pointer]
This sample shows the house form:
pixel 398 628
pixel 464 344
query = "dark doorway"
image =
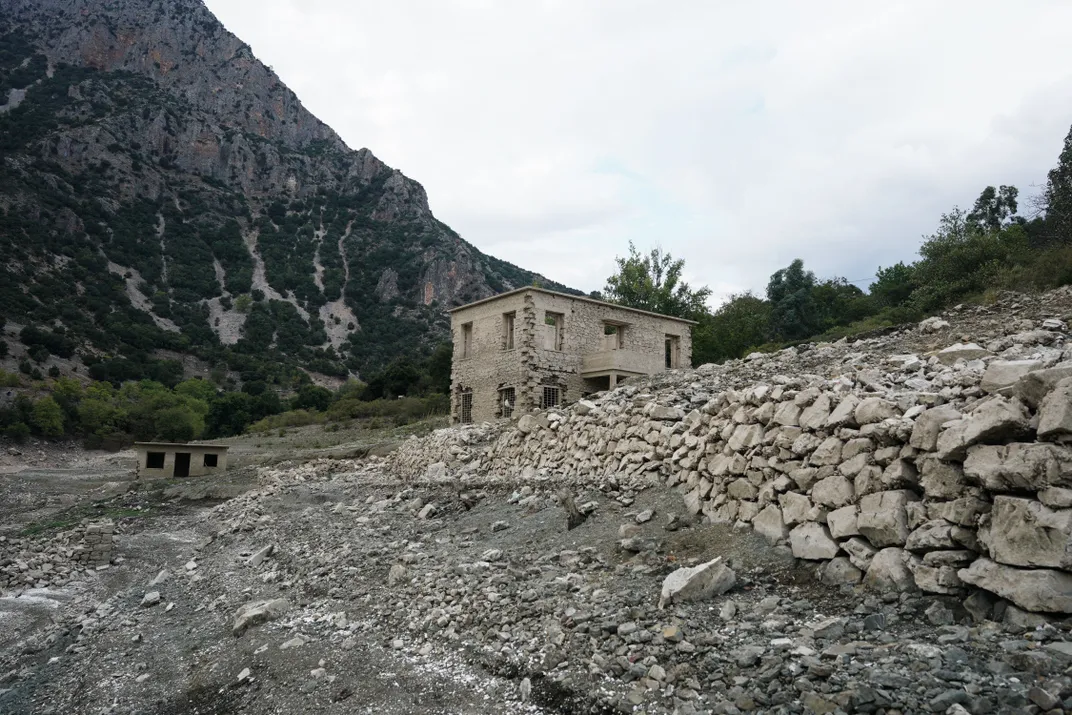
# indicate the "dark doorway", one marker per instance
pixel 182 464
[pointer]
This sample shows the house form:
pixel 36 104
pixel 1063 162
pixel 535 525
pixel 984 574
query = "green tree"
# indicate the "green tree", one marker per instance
pixel 993 208
pixel 653 282
pixel 794 312
pixel 197 389
pixel 312 397
pixel 47 417
pixel 737 325
pixel 439 367
pixel 893 286
pixel 1057 197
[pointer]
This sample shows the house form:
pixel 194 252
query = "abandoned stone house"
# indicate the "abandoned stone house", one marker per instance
pixel 162 460
pixel 531 348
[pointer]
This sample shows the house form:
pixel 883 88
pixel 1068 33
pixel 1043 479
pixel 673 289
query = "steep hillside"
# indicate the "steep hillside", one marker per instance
pixel 158 174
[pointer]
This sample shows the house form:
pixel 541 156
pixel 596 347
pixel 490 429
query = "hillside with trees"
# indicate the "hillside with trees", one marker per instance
pixel 163 190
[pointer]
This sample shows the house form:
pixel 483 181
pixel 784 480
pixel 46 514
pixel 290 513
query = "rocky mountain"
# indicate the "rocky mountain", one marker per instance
pixel 160 188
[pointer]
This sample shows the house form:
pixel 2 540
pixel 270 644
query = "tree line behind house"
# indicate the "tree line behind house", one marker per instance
pixel 971 257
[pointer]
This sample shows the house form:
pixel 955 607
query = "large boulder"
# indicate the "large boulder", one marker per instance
pixel 940 480
pixel 1025 466
pixel 961 351
pixel 891 571
pixel 828 453
pixel 833 491
pixel 994 421
pixel 1024 532
pixel 875 409
pixel 812 541
pixel 1055 413
pixel 842 522
pixel 929 424
pixel 697 583
pixel 1001 374
pixel 1033 589
pixel 1033 387
pixel 816 415
pixel 844 415
pixel 934 535
pixel 883 519
pixel 257 612
pixel 769 523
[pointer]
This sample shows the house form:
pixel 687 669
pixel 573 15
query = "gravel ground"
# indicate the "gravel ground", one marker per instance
pixel 443 598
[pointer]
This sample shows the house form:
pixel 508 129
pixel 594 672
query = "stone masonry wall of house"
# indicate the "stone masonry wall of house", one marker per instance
pixel 940 465
pixel 531 365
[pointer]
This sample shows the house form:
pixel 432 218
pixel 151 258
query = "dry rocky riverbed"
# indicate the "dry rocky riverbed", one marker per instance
pixel 383 596
pixel 443 579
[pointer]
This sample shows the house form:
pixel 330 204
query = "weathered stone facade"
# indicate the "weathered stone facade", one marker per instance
pixel 531 348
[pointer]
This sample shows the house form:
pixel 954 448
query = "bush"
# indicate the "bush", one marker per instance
pixel 17 432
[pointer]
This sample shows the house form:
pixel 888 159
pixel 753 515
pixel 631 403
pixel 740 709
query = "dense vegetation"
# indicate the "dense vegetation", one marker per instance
pixel 112 414
pixel 970 257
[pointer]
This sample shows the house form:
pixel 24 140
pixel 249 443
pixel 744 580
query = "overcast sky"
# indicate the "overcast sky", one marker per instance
pixel 736 135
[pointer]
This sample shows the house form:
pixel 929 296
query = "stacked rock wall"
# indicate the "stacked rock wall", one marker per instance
pixel 935 470
pixel 96 546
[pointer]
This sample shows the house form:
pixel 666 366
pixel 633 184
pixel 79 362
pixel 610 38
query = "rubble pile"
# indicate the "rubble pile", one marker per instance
pixel 935 469
pixel 29 562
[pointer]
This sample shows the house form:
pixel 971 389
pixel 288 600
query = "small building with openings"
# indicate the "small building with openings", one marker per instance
pixel 163 460
pixel 532 348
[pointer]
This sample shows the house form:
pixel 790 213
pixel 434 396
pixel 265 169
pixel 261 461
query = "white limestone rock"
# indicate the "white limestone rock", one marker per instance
pixel 258 612
pixel 1026 466
pixel 1024 532
pixel 812 541
pixel 697 583
pixel 1002 374
pixel 891 571
pixel 1055 413
pixel 883 519
pixel 1042 590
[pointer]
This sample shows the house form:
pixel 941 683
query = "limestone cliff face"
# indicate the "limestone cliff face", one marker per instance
pixel 144 131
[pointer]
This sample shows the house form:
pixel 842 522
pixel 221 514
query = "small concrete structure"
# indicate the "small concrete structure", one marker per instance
pixel 163 460
pixel 532 348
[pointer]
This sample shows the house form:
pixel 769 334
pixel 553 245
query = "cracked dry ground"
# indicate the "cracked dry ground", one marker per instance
pixel 388 612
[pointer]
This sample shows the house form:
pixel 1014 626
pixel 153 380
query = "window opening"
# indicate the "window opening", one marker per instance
pixel 553 324
pixel 508 331
pixel 211 460
pixel 154 460
pixel 613 336
pixel 466 411
pixel 507 401
pixel 467 340
pixel 551 396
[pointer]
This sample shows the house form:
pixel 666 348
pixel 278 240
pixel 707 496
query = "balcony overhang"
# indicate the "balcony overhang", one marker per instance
pixel 619 362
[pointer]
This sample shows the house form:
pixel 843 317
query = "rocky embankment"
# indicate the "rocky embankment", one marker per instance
pixel 933 459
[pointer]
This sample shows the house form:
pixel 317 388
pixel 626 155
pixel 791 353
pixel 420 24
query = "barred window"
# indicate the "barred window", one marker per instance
pixel 551 396
pixel 506 402
pixel 466 412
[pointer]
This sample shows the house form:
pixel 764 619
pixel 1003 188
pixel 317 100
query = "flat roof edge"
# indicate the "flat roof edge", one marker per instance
pixel 181 444
pixel 586 299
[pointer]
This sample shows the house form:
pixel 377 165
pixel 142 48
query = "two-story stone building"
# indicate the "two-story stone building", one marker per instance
pixel 533 348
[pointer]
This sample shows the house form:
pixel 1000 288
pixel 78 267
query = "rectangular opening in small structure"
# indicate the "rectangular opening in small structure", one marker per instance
pixel 467 340
pixel 182 464
pixel 553 324
pixel 506 402
pixel 508 331
pixel 673 352
pixel 551 396
pixel 154 460
pixel 212 460
pixel 465 412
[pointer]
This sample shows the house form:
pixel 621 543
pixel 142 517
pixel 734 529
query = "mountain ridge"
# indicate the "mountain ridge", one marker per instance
pixel 152 163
